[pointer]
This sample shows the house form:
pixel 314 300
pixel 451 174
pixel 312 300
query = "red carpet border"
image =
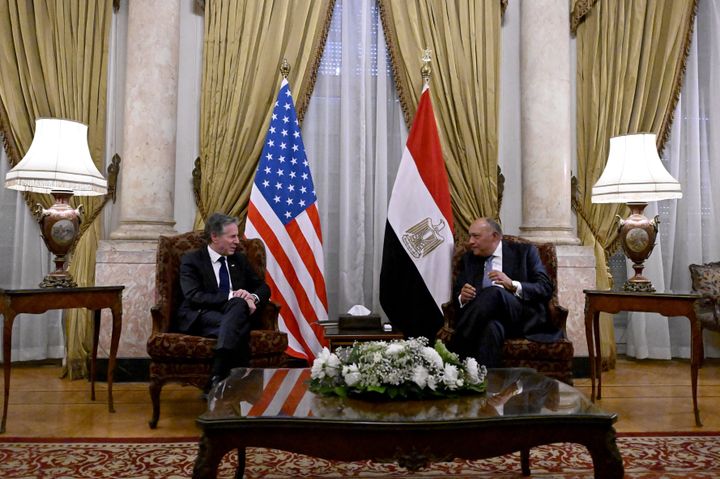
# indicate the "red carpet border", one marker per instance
pixel 687 455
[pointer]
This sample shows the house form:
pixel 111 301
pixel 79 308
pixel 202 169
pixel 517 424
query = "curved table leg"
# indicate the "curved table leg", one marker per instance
pixel 7 363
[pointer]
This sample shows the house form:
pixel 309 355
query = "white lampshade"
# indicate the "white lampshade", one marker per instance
pixel 58 159
pixel 634 173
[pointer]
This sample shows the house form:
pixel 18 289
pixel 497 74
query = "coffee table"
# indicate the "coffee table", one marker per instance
pixel 273 408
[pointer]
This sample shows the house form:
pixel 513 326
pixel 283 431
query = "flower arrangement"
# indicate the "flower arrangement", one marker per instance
pixel 400 369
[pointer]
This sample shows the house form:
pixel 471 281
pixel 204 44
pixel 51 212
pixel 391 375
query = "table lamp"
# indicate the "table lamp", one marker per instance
pixel 635 175
pixel 58 162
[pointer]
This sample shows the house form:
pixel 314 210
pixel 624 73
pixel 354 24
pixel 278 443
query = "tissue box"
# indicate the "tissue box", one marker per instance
pixel 348 321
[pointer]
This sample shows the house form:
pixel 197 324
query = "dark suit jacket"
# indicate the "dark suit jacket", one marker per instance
pixel 521 262
pixel 200 289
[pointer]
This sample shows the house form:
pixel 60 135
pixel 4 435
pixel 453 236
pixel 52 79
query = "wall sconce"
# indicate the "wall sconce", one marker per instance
pixel 635 175
pixel 58 162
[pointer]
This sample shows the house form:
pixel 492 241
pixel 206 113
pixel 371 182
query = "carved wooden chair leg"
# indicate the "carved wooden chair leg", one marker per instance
pixel 525 461
pixel 155 387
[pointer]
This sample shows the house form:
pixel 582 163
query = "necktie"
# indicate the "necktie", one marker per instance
pixel 224 276
pixel 486 282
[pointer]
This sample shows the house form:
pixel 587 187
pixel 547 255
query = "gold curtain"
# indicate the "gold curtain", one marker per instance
pixel 464 38
pixel 54 64
pixel 245 43
pixel 630 64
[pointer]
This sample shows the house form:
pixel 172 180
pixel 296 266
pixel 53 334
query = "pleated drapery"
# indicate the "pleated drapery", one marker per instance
pixel 630 64
pixel 245 43
pixel 464 39
pixel 54 64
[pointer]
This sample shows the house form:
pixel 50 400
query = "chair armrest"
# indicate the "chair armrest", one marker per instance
pixel 447 331
pixel 159 323
pixel 268 317
pixel 557 314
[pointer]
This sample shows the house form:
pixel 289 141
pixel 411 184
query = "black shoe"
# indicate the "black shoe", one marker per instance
pixel 212 382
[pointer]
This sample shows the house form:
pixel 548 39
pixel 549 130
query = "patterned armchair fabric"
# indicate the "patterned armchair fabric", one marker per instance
pixel 706 280
pixel 177 357
pixel 552 359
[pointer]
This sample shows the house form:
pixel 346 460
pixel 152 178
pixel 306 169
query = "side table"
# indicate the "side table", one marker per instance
pixel 337 337
pixel 36 301
pixel 667 304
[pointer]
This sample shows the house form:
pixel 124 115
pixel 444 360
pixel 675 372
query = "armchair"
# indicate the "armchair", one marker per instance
pixel 187 359
pixel 552 359
pixel 706 280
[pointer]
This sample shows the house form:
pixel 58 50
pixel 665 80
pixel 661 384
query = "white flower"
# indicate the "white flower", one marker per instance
pixel 351 374
pixel 471 369
pixel 394 348
pixel 432 357
pixel 420 376
pixel 325 364
pixel 450 377
pixel 409 367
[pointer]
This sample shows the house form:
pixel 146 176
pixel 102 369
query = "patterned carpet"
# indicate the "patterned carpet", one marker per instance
pixel 645 456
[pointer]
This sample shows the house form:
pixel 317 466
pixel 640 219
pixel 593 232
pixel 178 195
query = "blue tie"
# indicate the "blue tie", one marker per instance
pixel 224 276
pixel 486 281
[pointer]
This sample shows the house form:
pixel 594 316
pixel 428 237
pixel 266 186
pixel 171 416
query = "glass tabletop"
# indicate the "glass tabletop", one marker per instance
pixel 256 394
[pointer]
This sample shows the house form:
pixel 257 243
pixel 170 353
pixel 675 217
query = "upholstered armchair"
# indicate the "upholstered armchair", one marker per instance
pixel 186 359
pixel 706 281
pixel 553 359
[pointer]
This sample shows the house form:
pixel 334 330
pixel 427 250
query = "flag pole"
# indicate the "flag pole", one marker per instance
pixel 285 68
pixel 425 70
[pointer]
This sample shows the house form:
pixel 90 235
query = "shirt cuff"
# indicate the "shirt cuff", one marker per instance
pixel 256 298
pixel 518 288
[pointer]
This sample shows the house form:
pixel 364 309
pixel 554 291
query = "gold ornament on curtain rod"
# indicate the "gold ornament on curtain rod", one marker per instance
pixel 635 175
pixel 58 162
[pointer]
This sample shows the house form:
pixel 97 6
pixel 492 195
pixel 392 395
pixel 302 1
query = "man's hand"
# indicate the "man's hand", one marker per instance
pixel 498 277
pixel 242 294
pixel 467 293
pixel 251 304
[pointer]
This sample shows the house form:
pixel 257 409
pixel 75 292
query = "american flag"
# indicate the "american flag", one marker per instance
pixel 283 213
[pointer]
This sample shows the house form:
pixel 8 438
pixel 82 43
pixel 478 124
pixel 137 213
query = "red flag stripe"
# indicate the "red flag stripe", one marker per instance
pixel 283 261
pixel 268 394
pixel 314 216
pixel 309 259
pixel 424 145
pixel 296 394
pixel 291 323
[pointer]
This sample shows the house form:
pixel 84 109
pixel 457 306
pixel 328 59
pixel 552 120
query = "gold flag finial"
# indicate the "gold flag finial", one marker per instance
pixel 426 70
pixel 285 68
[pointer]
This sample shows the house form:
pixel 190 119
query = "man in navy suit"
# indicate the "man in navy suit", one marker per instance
pixel 221 291
pixel 502 291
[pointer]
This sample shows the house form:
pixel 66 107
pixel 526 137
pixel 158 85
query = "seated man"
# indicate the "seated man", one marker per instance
pixel 220 291
pixel 502 290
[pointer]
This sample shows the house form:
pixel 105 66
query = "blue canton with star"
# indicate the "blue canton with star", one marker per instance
pixel 283 175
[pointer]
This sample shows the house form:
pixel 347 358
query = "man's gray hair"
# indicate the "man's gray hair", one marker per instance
pixel 494 225
pixel 216 224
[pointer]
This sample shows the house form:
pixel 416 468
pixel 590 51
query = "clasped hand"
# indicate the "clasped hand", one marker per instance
pixel 247 296
pixel 468 291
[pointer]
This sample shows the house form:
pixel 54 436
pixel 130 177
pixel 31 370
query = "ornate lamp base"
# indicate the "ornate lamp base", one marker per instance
pixel 60 225
pixel 637 236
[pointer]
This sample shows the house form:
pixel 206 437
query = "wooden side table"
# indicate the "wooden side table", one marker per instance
pixel 36 301
pixel 667 304
pixel 337 337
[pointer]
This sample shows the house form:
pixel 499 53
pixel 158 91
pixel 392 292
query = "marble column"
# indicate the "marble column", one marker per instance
pixel 546 137
pixel 147 174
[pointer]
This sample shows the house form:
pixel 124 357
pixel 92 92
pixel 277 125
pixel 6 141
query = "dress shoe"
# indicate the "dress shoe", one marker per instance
pixel 212 382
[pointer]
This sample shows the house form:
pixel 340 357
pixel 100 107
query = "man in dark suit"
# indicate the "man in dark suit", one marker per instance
pixel 502 290
pixel 221 291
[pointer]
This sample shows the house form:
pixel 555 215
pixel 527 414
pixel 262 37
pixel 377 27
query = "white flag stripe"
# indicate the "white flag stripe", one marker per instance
pixel 404 214
pixel 288 294
pixel 311 237
pixel 292 253
pixel 274 408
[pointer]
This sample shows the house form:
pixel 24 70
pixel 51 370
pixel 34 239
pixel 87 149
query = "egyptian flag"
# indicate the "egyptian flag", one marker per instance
pixel 415 278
